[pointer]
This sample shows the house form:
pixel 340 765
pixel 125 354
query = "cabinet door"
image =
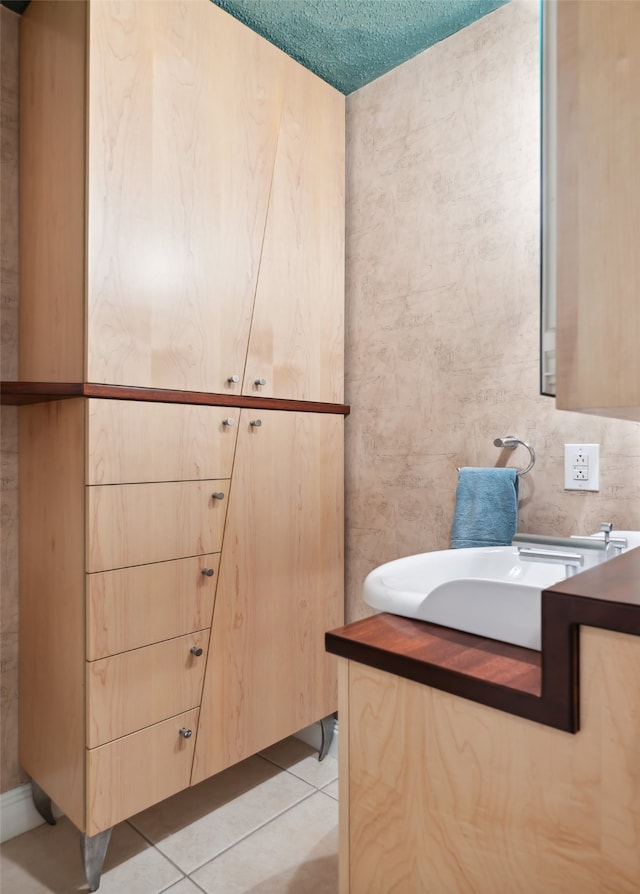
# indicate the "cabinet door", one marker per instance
pixel 280 588
pixel 52 191
pixel 132 773
pixel 132 607
pixel 598 217
pixel 183 110
pixel 133 441
pixel 136 689
pixel 137 524
pixel 297 332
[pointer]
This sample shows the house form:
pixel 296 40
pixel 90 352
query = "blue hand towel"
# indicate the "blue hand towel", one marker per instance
pixel 486 512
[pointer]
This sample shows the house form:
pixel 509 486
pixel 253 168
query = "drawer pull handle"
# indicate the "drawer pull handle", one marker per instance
pixel 256 423
pixel 260 382
pixel 230 421
pixel 208 572
pixel 185 733
pixel 233 380
pixel 218 495
pixel 196 650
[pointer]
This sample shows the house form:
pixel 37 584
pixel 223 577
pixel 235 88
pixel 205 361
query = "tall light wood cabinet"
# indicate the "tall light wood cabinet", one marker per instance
pixel 182 264
pixel 598 208
pixel 194 232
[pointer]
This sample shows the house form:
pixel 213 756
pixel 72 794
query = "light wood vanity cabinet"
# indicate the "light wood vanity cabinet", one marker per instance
pixel 598 208
pixel 439 793
pixel 208 241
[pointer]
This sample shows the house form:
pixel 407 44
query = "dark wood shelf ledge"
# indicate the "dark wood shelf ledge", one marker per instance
pixel 541 686
pixel 20 393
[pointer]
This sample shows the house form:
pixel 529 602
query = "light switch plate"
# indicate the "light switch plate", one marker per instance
pixel 582 467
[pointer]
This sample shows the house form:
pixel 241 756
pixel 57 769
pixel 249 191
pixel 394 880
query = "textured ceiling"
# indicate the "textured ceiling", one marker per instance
pixel 18 6
pixel 351 42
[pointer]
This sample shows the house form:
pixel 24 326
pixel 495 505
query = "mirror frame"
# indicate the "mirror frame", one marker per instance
pixel 548 196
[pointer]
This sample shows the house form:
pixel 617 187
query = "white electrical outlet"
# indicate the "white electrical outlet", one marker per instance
pixel 582 466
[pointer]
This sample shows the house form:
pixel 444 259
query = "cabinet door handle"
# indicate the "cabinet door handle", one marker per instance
pixel 208 572
pixel 233 380
pixel 229 421
pixel 196 650
pixel 260 382
pixel 256 423
pixel 185 733
pixel 218 495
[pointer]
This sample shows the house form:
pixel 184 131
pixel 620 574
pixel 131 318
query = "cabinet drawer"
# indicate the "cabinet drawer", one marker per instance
pixel 136 689
pixel 130 774
pixel 134 441
pixel 138 524
pixel 133 607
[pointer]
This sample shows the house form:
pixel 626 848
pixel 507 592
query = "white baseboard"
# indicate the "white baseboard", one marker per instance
pixel 17 812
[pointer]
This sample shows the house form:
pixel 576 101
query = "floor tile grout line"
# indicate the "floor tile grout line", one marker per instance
pixel 178 882
pixel 287 770
pixel 274 763
pixel 187 874
pixel 156 848
pixel 253 832
pixel 314 789
pixel 193 882
pixel 327 784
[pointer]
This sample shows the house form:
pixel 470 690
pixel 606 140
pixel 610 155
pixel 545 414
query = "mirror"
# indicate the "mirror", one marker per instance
pixel 548 199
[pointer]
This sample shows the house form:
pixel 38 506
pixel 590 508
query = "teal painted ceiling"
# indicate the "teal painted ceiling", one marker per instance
pixel 352 42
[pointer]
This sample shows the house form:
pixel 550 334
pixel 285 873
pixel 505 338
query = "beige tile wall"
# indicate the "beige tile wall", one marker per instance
pixel 442 299
pixel 10 773
pixel 442 302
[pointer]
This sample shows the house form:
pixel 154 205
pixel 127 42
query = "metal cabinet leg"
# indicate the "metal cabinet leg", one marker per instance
pixel 42 803
pixel 327 725
pixel 94 850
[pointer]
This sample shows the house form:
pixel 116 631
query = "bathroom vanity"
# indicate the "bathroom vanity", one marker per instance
pixel 473 765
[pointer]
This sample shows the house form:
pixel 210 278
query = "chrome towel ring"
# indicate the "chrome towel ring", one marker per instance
pixel 511 442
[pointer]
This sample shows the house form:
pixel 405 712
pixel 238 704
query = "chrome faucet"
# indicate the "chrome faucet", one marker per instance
pixel 606 528
pixel 614 545
pixel 571 561
pixel 568 551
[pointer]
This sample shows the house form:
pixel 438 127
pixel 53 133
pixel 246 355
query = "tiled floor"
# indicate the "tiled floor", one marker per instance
pixel 267 826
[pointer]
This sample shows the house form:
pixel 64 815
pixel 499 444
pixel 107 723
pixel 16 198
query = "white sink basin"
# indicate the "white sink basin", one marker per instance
pixel 488 591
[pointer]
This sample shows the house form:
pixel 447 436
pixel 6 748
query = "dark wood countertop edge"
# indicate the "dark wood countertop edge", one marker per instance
pixel 606 597
pixel 22 393
pixel 469 686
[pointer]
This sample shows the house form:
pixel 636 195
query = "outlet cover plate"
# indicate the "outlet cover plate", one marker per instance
pixel 582 467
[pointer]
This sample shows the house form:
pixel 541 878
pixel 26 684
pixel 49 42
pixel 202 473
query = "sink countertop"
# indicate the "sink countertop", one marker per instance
pixel 541 686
